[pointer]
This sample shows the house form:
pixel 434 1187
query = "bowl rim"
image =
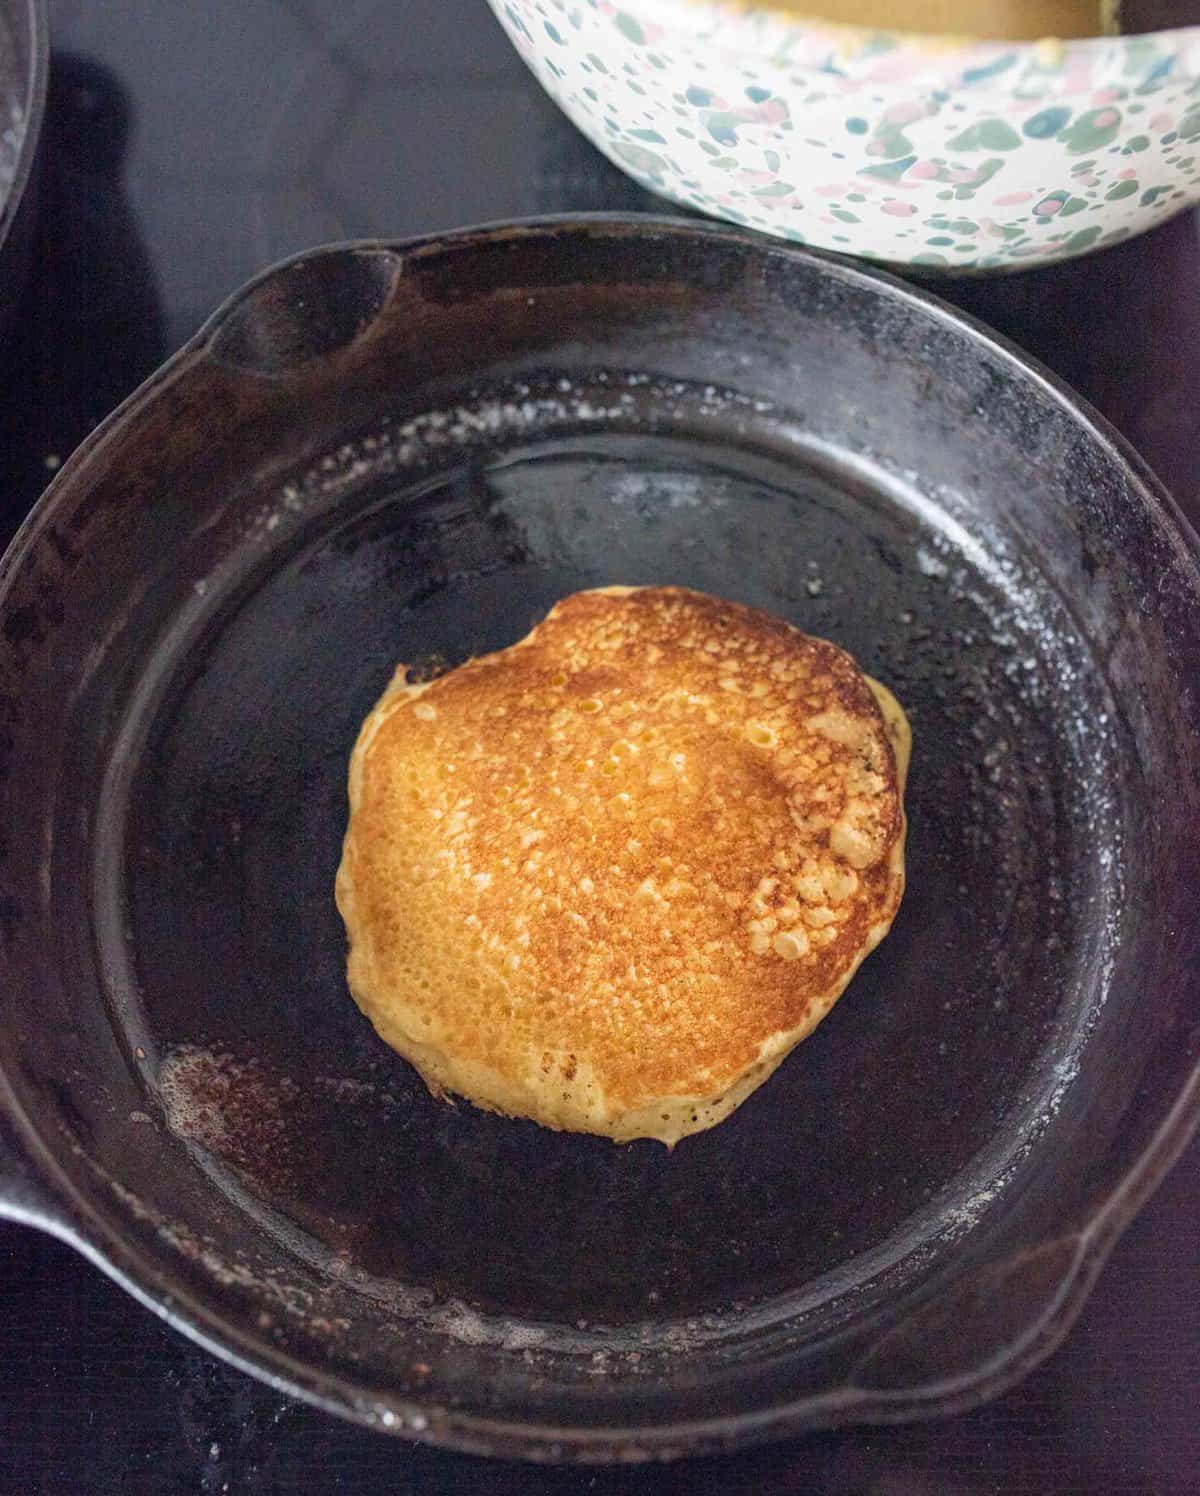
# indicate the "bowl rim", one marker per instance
pixel 846 38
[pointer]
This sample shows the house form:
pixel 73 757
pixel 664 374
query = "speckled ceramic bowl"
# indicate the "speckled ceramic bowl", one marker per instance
pixel 907 149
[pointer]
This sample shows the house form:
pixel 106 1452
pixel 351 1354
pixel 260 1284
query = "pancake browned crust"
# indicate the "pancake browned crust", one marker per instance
pixel 608 877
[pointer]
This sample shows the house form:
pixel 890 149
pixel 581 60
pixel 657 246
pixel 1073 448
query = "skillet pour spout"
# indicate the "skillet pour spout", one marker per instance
pixel 382 452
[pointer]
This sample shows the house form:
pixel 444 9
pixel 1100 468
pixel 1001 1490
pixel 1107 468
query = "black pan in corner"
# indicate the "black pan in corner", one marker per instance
pixel 24 65
pixel 382 452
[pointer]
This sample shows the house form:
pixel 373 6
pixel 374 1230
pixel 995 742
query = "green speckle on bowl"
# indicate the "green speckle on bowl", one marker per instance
pixel 888 171
pixel 652 137
pixel 1137 59
pixel 1151 195
pixel 1080 240
pixel 984 173
pixel 1047 122
pixel 843 217
pixel 1136 143
pixel 639 159
pixel 940 239
pixel 627 26
pixel 554 34
pixel 1072 205
pixel 989 70
pixel 1091 131
pixel 857 125
pixel 518 22
pixel 889 140
pixel 722 127
pixel 1119 190
pixel 987 135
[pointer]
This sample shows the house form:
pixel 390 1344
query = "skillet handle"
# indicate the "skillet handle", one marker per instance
pixel 1001 1319
pixel 25 1196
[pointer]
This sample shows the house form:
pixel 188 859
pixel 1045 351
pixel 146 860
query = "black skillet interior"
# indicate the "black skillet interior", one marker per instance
pixel 380 455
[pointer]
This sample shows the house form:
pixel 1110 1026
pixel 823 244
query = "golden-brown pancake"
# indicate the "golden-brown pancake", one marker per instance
pixel 608 877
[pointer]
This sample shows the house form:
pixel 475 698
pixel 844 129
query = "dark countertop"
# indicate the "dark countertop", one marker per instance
pixel 187 146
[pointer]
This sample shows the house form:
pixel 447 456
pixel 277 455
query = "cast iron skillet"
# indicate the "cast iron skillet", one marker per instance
pixel 380 452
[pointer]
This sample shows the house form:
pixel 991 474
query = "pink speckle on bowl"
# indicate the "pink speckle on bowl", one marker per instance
pixel 1108 95
pixel 1128 173
pixel 1162 121
pixel 922 171
pixel 1010 199
pixel 1077 76
pixel 894 69
pixel 899 210
pixel 1048 206
pixel 905 113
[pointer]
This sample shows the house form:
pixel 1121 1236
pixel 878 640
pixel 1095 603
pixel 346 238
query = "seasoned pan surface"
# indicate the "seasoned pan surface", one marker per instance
pixel 384 453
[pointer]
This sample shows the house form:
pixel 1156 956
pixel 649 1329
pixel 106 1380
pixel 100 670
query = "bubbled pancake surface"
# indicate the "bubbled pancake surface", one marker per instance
pixel 608 877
